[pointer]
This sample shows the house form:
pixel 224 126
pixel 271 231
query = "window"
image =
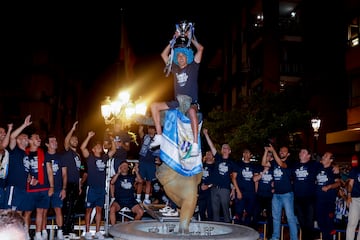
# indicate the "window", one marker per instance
pixel 353 32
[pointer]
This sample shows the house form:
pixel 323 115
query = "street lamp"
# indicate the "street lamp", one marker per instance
pixel 119 113
pixel 121 110
pixel 315 124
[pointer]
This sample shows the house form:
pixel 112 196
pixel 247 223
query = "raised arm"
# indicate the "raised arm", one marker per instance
pixel 210 143
pixel 166 52
pixel 265 161
pixel 112 150
pixel 199 50
pixel 278 160
pixel 68 136
pixel 6 140
pixel 16 132
pixel 85 152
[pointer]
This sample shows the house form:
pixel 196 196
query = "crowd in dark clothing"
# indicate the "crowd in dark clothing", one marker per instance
pixel 280 188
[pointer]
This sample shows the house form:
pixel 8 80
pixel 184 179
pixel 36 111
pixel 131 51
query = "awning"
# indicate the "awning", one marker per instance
pixel 350 135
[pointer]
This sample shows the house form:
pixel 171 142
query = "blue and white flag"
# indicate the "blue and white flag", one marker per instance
pixel 177 142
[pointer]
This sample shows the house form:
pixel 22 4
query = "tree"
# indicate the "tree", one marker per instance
pixel 259 119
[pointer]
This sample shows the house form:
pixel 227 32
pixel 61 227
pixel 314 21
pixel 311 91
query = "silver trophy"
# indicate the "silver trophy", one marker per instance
pixel 184 40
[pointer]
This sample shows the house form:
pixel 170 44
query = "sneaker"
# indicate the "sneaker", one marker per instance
pixel 194 150
pixel 38 236
pixel 60 235
pixel 125 209
pixel 196 208
pixel 147 201
pixel 138 200
pixel 156 141
pixel 99 235
pixel 88 235
pixel 171 213
pixel 44 234
pixel 165 209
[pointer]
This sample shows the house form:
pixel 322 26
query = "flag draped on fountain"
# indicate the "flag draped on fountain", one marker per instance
pixel 177 143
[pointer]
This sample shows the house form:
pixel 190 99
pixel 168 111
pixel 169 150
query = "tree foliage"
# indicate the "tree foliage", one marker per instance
pixel 256 120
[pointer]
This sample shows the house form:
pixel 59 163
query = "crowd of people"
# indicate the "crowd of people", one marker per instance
pixel 305 193
pixel 35 178
pixel 300 189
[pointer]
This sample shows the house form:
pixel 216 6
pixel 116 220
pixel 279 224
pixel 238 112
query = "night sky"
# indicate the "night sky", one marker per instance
pixel 84 40
pixel 88 35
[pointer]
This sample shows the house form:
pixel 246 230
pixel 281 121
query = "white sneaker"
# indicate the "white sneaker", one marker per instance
pixel 194 150
pixel 60 235
pixel 44 234
pixel 196 208
pixel 125 209
pixel 171 213
pixel 156 141
pixel 165 209
pixel 88 235
pixel 99 235
pixel 147 201
pixel 138 200
pixel 38 236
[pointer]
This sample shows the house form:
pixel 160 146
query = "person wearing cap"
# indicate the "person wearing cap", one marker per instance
pixel 124 192
pixel 185 69
pixel 122 145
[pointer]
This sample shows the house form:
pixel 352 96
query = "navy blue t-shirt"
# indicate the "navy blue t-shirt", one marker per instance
pixel 17 175
pixel 72 161
pixel 185 80
pixel 245 173
pixel 57 165
pixel 222 171
pixel 96 171
pixel 31 163
pixel 305 178
pixel 207 173
pixel 124 187
pixel 282 178
pixel 326 176
pixel 265 184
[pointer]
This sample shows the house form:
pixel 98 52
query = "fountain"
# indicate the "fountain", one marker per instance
pixel 153 229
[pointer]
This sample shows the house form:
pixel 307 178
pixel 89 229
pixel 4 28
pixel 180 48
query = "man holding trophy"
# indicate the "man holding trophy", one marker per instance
pixel 180 59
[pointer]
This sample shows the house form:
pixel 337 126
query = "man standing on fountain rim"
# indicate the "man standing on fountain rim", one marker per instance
pixel 185 68
pixel 221 179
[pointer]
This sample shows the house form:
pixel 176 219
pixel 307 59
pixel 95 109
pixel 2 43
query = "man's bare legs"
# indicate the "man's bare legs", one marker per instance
pixel 194 121
pixel 156 108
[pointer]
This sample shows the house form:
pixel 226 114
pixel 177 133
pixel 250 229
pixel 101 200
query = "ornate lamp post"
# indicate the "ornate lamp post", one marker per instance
pixel 315 124
pixel 118 113
pixel 121 110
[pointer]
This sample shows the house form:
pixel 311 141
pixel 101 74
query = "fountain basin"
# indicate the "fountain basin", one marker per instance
pixel 153 229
